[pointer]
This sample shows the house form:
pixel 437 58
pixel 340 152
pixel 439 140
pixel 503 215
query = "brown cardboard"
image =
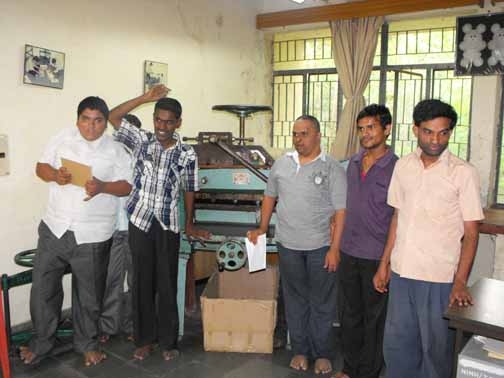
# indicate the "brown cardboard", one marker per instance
pixel 80 173
pixel 239 311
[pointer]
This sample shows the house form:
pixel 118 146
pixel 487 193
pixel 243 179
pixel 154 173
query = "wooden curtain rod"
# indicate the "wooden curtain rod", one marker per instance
pixel 364 8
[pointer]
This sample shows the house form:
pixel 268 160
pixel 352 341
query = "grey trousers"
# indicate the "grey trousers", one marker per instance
pixel 310 300
pixel 89 268
pixel 116 315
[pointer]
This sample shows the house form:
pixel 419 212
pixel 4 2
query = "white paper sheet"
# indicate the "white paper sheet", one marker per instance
pixel 256 253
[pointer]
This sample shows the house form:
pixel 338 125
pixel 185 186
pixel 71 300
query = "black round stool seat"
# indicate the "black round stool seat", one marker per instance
pixel 243 110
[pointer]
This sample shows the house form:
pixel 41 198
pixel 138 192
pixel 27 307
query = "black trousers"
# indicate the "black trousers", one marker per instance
pixel 363 317
pixel 155 270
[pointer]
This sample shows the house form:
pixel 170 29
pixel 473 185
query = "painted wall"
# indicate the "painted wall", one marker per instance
pixel 215 56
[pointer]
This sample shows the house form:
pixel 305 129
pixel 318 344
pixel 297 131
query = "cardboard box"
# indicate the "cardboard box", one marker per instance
pixel 473 361
pixel 239 311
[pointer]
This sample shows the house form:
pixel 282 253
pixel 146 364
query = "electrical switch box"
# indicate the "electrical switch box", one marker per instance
pixel 4 155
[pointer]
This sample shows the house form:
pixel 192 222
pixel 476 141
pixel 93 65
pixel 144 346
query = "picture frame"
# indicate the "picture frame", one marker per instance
pixel 44 67
pixel 155 73
pixel 480 45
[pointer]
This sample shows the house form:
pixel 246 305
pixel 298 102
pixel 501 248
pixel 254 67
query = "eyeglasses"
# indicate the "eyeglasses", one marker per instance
pixel 165 122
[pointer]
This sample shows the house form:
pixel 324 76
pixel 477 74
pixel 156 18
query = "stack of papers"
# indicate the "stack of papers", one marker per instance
pixel 495 348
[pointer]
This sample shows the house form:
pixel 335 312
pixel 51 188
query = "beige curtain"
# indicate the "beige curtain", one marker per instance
pixel 354 46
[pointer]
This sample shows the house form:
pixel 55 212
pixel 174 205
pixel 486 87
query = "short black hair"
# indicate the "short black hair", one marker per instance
pixel 170 104
pixel 133 119
pixel 378 111
pixel 427 110
pixel 314 121
pixel 93 103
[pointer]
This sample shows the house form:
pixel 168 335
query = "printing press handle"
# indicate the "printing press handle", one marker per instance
pixel 249 166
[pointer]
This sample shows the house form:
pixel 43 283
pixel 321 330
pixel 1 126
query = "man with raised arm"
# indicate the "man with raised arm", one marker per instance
pixel 164 166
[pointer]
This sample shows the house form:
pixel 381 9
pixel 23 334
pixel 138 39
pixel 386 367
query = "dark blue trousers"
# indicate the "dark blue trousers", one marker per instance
pixel 417 342
pixel 310 300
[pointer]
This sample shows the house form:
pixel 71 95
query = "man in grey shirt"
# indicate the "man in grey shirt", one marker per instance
pixel 311 188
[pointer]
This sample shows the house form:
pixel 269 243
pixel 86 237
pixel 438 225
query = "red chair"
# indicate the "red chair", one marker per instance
pixel 4 352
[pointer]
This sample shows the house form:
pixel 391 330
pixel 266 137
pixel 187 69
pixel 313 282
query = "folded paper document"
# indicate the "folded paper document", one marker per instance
pixel 80 172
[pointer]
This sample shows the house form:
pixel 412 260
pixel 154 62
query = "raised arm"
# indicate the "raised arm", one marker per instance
pixel 155 93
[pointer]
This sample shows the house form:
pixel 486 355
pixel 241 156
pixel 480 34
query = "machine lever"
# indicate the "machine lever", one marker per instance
pixel 251 140
pixel 189 139
pixel 252 169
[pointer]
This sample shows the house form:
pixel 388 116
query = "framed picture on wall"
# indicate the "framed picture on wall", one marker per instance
pixel 44 67
pixel 155 73
pixel 480 45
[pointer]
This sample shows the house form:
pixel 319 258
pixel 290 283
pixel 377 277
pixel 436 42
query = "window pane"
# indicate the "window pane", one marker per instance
pixel 410 44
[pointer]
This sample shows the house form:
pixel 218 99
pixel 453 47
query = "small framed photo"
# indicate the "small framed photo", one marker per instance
pixel 155 73
pixel 44 67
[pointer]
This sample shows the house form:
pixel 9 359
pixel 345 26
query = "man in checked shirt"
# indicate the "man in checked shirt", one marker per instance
pixel 163 166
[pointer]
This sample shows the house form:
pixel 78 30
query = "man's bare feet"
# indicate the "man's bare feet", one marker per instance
pixel 299 362
pixel 340 374
pixel 142 353
pixel 28 357
pixel 94 357
pixel 322 366
pixel 170 354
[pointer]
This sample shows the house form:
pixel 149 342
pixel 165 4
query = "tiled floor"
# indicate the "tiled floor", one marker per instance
pixel 194 362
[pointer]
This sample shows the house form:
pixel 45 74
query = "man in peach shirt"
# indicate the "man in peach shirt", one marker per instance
pixel 430 248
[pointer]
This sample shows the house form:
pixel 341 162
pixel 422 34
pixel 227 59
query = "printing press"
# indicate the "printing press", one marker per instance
pixel 232 179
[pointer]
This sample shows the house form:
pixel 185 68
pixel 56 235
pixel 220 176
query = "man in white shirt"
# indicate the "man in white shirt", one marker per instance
pixel 76 230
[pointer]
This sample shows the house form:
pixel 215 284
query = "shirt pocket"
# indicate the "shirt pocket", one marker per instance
pixel 104 170
pixel 441 203
pixel 147 168
pixel 318 193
